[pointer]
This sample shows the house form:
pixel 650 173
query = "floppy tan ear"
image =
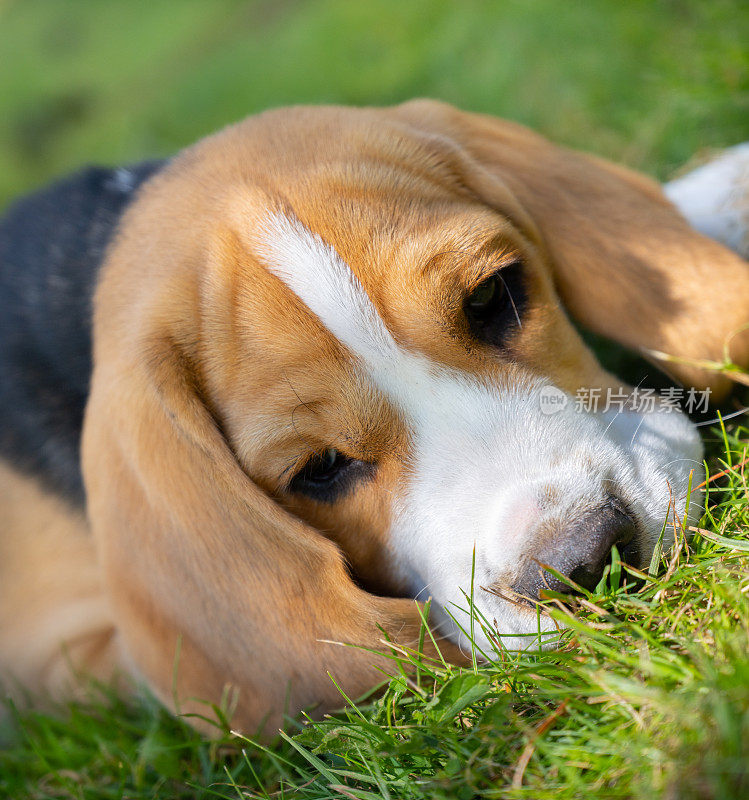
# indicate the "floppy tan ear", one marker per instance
pixel 626 264
pixel 212 583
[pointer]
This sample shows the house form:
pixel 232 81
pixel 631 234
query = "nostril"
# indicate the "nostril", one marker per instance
pixel 580 551
pixel 631 553
pixel 617 526
pixel 600 531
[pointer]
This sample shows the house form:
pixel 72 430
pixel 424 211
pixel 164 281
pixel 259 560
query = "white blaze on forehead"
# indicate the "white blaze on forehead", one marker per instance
pixel 322 280
pixel 325 283
pixel 430 395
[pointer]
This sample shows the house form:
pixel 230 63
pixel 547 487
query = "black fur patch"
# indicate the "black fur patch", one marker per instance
pixel 52 244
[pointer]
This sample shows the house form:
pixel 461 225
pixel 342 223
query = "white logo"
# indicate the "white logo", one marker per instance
pixel 552 400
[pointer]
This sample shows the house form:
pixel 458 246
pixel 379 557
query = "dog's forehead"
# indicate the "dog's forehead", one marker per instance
pixel 371 272
pixel 369 240
pixel 355 146
pixel 317 274
pixel 361 299
pixel 380 191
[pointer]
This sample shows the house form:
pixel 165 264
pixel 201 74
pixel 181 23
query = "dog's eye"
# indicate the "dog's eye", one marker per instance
pixel 486 296
pixel 493 309
pixel 323 468
pixel 327 475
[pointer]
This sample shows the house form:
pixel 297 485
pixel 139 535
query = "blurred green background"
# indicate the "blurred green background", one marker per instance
pixel 647 83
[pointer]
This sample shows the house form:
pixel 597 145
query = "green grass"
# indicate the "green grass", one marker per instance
pixel 646 83
pixel 649 694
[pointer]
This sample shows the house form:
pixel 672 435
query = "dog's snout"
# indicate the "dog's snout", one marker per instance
pixel 579 551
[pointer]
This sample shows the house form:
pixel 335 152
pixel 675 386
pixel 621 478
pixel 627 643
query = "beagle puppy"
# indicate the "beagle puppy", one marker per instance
pixel 257 398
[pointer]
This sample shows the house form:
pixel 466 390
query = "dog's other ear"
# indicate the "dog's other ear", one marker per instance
pixel 626 264
pixel 212 583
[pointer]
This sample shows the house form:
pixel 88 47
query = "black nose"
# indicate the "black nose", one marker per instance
pixel 579 552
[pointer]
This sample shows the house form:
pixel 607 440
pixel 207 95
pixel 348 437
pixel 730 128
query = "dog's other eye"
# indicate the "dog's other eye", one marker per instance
pixel 493 309
pixel 328 475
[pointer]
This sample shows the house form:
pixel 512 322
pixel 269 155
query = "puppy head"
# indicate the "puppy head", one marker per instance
pixel 334 333
pixel 381 341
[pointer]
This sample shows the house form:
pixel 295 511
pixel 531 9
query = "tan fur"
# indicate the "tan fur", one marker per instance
pixel 54 617
pixel 212 381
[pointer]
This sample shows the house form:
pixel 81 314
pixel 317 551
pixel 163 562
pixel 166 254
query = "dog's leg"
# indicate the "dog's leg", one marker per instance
pixel 54 619
pixel 714 198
